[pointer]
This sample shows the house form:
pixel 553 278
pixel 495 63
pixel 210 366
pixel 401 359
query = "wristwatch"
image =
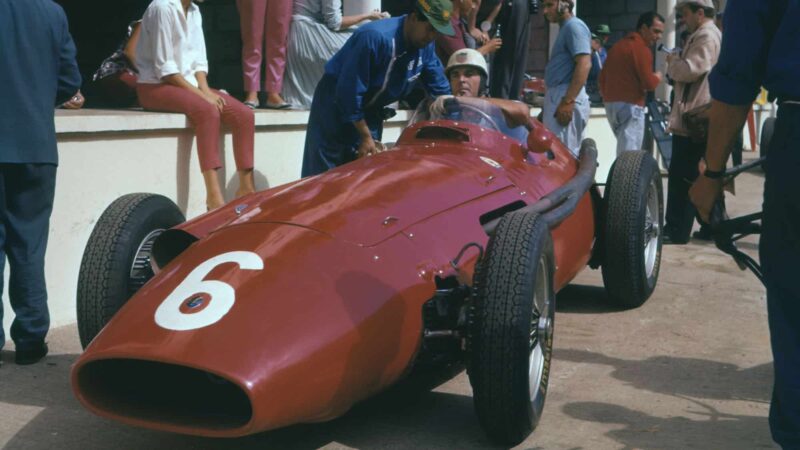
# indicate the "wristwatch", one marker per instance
pixel 714 174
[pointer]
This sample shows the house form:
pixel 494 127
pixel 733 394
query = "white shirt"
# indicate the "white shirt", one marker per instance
pixel 171 42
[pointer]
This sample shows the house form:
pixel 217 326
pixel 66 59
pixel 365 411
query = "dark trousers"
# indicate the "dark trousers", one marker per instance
pixel 682 173
pixel 26 201
pixel 780 258
pixel 509 63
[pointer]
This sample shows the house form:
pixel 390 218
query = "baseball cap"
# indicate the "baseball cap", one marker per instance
pixel 438 13
pixel 602 29
pixel 703 3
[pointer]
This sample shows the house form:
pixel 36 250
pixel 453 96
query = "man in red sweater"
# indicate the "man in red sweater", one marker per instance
pixel 627 77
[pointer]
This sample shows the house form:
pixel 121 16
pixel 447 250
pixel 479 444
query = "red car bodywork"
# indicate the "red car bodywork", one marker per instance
pixel 349 258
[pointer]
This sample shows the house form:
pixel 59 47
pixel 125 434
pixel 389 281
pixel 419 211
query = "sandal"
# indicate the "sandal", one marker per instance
pixel 283 105
pixel 251 105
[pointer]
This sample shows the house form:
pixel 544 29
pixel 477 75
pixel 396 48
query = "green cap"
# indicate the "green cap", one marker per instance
pixel 438 13
pixel 602 29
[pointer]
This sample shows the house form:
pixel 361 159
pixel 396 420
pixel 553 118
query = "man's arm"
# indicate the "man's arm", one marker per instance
pixel 698 60
pixel 734 85
pixel 644 70
pixel 433 73
pixel 583 64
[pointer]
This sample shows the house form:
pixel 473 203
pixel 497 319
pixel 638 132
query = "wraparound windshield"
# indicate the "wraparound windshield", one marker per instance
pixel 473 110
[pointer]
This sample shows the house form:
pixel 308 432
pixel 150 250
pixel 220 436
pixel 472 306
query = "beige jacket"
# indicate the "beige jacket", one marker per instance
pixel 690 73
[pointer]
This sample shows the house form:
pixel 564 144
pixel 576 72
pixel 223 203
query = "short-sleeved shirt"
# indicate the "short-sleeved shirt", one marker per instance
pixel 171 42
pixel 573 39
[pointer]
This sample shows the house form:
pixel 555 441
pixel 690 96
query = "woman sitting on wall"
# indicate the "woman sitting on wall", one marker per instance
pixel 173 69
pixel 318 31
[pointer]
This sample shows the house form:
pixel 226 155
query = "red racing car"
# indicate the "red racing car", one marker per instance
pixel 292 304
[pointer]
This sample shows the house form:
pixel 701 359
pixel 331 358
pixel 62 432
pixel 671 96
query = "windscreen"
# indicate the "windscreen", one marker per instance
pixel 471 110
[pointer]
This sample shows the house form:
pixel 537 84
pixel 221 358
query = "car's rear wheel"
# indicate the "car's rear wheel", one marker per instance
pixel 116 261
pixel 632 232
pixel 511 334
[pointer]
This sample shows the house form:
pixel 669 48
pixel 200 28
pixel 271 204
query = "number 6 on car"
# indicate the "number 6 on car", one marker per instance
pixel 169 314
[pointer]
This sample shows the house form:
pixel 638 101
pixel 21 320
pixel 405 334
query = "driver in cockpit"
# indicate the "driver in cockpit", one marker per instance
pixel 466 70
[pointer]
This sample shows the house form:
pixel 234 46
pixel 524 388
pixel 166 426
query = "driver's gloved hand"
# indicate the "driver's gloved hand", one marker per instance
pixel 441 105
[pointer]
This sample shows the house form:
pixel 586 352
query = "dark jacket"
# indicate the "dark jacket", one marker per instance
pixel 38 72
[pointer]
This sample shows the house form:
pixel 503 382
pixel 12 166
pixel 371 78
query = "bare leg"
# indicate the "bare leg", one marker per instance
pixel 251 96
pixel 275 98
pixel 246 184
pixel 214 197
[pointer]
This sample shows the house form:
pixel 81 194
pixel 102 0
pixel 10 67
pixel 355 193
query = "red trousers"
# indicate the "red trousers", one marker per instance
pixel 265 29
pixel 207 121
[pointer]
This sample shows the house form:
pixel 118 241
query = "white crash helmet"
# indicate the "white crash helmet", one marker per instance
pixel 467 57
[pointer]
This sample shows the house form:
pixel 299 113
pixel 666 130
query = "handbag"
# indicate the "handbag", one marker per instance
pixel 696 121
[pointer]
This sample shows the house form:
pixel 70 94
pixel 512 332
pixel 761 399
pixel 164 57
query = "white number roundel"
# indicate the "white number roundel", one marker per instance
pixel 169 314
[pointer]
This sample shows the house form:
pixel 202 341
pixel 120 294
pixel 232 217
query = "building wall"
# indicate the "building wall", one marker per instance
pixel 620 15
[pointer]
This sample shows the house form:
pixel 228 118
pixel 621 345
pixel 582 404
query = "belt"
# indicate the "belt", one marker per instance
pixel 788 100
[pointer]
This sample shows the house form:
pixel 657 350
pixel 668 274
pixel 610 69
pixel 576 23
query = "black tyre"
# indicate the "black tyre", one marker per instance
pixel 767 130
pixel 511 334
pixel 632 232
pixel 116 261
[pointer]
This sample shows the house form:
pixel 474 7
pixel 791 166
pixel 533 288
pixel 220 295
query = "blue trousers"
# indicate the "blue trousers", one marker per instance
pixel 780 258
pixel 26 201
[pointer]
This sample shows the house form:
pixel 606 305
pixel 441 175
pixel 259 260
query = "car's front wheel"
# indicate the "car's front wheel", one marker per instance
pixel 116 261
pixel 511 334
pixel 632 232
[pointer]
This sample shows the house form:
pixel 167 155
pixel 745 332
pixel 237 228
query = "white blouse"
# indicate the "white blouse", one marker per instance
pixel 171 42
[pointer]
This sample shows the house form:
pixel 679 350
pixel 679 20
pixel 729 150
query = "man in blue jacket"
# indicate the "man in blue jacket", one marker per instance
pixel 38 71
pixel 761 46
pixel 377 66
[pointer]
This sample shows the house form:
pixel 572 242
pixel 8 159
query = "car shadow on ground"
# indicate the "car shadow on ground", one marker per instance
pixel 584 299
pixel 700 427
pixel 48 416
pixel 698 382
pixel 685 377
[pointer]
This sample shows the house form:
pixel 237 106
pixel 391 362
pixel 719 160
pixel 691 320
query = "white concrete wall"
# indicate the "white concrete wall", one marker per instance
pixel 106 154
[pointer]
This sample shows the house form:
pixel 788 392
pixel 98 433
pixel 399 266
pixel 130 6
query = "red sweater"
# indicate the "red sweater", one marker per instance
pixel 628 73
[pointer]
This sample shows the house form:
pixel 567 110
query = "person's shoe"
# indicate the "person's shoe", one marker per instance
pixel 703 234
pixel 668 240
pixel 31 355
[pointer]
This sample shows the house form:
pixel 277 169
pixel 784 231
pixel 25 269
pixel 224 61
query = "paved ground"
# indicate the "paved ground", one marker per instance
pixel 690 369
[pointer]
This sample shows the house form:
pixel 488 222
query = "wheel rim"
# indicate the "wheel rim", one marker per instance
pixel 652 229
pixel 541 328
pixel 141 271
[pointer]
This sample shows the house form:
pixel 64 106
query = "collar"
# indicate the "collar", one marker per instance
pixel 636 37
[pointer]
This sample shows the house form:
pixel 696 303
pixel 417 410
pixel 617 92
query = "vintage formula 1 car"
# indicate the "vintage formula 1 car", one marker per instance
pixel 292 304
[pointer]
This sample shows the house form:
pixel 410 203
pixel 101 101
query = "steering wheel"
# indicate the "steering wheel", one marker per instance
pixel 455 110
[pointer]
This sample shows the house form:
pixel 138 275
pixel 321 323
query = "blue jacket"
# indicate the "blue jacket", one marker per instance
pixel 376 68
pixel 38 72
pixel 760 46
